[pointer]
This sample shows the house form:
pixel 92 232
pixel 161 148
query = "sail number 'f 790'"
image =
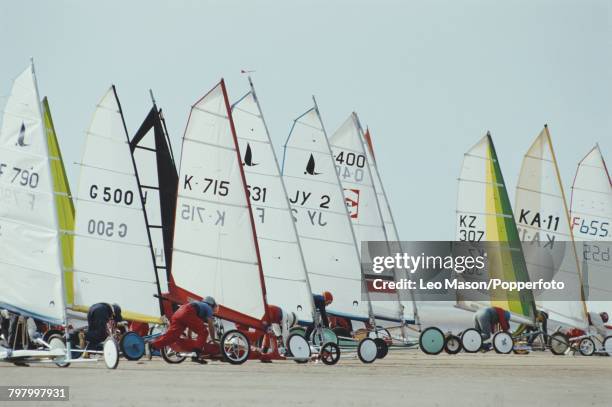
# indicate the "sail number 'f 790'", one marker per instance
pixel 21 176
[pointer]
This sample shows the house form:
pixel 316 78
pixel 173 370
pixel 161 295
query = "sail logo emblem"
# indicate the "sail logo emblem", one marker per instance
pixel 351 197
pixel 310 167
pixel 21 138
pixel 248 157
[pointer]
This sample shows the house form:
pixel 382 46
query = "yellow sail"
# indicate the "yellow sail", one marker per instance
pixel 63 200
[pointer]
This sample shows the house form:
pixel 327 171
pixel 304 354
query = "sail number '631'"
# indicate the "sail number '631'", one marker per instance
pixel 109 194
pixel 21 176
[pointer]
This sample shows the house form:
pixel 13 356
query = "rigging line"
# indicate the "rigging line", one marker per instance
pixel 183 196
pixel 127 174
pixel 143 245
pixel 232 149
pixel 227 259
pixel 308 150
pixel 107 138
pixel 474 181
pixel 114 277
pixel 539 192
pixel 326 240
pixel 221 116
pixel 107 204
pixel 499 215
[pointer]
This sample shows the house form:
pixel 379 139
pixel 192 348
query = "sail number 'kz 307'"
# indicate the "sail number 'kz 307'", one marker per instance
pixel 468 232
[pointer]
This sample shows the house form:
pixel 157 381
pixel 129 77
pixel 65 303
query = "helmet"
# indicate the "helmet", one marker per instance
pixel 604 317
pixel 328 297
pixel 210 301
pixel 291 319
pixel 117 312
pixel 507 315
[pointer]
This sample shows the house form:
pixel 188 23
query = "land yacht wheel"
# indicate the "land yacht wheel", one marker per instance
pixel 431 341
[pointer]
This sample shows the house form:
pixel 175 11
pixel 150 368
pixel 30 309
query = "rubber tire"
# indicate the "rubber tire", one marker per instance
pixel 453 350
pixel 52 332
pixel 591 347
pixel 334 350
pixel 292 336
pixel 57 336
pixel 169 359
pixel 464 335
pixel 137 349
pixel 383 348
pixel 111 353
pixel 424 342
pixel 364 346
pixel 560 338
pixel 222 346
pixel 607 345
pixel 497 336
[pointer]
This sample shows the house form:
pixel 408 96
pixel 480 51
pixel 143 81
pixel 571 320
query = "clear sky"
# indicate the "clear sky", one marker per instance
pixel 428 77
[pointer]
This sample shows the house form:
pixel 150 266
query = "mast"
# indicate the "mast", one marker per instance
pixel 363 282
pixel 284 192
pixel 401 316
pixel 368 139
pixel 571 233
pixel 142 201
pixel 54 204
pixel 248 200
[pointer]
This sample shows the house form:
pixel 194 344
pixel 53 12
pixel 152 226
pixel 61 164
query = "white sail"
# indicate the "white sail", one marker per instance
pixel 543 223
pixel 158 182
pixel 484 214
pixel 30 254
pixel 113 260
pixel 281 255
pixel 215 250
pixel 321 217
pixel 353 170
pixel 591 212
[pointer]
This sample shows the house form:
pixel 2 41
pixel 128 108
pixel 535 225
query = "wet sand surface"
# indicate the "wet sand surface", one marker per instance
pixel 403 378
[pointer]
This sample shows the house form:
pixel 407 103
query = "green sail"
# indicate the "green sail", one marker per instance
pixel 63 200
